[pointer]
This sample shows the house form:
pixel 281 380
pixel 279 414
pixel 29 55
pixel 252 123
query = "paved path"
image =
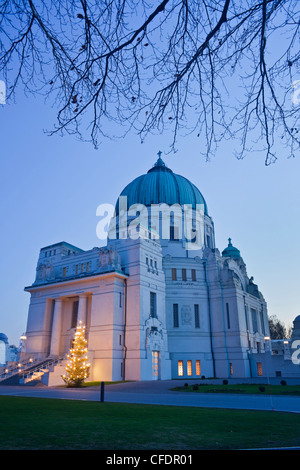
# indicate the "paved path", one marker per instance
pixel 158 393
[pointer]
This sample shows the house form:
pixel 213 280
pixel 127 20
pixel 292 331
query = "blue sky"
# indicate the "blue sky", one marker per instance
pixel 51 187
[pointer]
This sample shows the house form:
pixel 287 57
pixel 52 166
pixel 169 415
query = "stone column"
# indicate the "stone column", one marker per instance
pixel 56 327
pixel 82 310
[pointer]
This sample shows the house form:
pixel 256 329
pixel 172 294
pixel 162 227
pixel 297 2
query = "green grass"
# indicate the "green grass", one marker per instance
pixel 241 388
pixel 42 424
pixel 97 383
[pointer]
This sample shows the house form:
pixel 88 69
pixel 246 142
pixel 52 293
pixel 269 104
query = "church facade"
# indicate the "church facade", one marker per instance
pixel 159 301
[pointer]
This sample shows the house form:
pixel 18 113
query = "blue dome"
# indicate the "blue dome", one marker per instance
pixel 231 251
pixel 3 338
pixel 161 185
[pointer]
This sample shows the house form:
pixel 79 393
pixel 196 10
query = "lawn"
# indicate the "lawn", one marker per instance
pixel 42 424
pixel 241 388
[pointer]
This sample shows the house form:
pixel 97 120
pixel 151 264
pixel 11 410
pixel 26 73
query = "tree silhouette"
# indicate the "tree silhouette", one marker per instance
pixel 222 69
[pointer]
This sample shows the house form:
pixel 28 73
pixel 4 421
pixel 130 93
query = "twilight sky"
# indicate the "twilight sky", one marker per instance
pixel 51 187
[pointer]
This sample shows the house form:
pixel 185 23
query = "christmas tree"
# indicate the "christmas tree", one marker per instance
pixel 77 368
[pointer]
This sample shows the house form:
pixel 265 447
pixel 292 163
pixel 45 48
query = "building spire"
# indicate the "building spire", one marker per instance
pixel 159 161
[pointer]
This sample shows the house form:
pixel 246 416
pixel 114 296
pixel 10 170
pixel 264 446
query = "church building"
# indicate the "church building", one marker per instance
pixel 159 301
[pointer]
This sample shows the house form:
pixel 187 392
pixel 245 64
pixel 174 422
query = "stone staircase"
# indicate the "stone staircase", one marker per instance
pixel 47 371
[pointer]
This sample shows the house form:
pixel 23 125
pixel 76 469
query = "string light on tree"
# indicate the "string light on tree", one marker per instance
pixel 77 368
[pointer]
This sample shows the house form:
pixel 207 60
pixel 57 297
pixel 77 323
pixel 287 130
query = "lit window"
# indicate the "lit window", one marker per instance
pixel 189 368
pixel 174 274
pixel 198 367
pixel 180 368
pixel 231 368
pixel 259 369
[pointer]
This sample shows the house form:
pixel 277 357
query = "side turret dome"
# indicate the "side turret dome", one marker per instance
pixel 231 251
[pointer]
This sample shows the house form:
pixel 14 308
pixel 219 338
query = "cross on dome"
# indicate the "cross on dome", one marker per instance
pixel 159 161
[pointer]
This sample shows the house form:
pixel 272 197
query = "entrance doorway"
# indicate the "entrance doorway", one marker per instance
pixel 155 365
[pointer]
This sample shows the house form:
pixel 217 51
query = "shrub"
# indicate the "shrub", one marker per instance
pixel 186 384
pixel 283 382
pixel 203 377
pixel 225 382
pixel 195 387
pixel 261 388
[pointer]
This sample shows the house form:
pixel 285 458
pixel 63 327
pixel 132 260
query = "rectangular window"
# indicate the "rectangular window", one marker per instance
pixel 120 299
pixel 228 316
pixel 175 316
pixel 172 236
pixel 87 267
pixel 194 275
pixel 231 368
pixel 76 269
pixel 180 368
pixel 259 368
pixel 64 272
pixel 174 274
pixel 82 267
pixel 254 320
pixel 189 368
pixel 174 232
pixel 153 312
pixel 198 367
pixel 197 318
pixel 184 274
pixel 155 364
pixel 262 323
pixel 74 314
pixel 120 340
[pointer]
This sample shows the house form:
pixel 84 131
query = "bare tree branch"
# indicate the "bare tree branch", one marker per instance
pixel 223 69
